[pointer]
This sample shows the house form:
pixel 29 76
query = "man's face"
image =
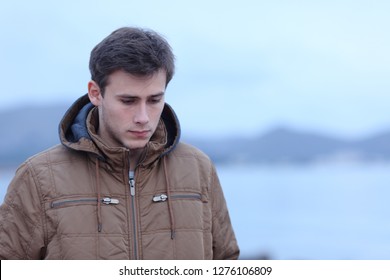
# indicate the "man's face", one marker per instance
pixel 131 108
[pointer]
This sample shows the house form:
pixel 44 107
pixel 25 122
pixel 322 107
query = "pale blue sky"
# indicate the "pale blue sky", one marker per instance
pixel 243 67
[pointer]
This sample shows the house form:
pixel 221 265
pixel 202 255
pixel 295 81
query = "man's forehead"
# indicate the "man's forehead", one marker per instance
pixel 132 85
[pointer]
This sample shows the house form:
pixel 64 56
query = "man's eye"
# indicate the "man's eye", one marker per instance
pixel 127 101
pixel 155 100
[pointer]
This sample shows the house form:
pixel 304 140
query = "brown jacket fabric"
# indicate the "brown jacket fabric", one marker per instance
pixel 76 200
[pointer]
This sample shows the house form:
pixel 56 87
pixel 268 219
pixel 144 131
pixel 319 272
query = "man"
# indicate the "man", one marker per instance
pixel 121 185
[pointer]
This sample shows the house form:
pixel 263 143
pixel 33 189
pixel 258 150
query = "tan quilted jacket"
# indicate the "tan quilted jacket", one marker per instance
pixel 76 200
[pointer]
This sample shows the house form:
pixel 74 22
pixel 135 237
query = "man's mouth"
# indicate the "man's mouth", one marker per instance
pixel 140 133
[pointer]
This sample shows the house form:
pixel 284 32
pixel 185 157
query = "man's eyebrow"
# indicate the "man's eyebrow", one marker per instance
pixel 158 94
pixel 129 95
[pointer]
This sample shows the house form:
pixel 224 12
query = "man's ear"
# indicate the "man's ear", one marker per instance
pixel 94 93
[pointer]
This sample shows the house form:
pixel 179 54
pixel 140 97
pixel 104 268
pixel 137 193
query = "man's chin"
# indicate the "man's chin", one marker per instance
pixel 136 146
pixel 137 149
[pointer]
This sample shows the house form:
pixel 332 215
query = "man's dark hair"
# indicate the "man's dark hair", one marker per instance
pixel 136 51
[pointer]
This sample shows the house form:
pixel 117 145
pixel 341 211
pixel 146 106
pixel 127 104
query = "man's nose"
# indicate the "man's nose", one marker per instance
pixel 141 115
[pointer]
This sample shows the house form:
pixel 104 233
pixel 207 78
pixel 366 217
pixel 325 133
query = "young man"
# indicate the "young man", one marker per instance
pixel 121 185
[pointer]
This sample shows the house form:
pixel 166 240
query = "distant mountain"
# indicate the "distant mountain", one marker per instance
pixel 284 145
pixel 375 147
pixel 26 131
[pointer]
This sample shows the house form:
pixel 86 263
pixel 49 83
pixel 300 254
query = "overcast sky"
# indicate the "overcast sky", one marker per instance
pixel 243 67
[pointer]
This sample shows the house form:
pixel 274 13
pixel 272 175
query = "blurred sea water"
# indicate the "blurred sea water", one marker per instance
pixel 319 211
pixel 324 211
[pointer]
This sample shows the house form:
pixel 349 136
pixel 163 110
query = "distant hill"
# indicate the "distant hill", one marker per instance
pixel 26 131
pixel 274 146
pixel 283 145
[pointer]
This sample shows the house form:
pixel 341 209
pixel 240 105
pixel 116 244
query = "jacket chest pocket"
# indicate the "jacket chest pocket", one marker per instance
pixel 68 202
pixel 164 197
pixel 188 211
pixel 79 215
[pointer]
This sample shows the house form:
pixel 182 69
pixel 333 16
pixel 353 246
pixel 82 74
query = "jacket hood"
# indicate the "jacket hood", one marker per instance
pixel 77 131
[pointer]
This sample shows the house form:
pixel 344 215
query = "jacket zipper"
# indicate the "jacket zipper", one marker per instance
pixel 133 208
pixel 106 200
pixel 164 197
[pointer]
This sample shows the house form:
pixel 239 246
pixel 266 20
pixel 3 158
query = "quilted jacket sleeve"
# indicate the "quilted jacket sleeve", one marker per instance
pixel 224 241
pixel 21 227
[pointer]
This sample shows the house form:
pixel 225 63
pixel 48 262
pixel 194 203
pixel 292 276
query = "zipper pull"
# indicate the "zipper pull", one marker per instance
pixel 132 186
pixel 108 200
pixel 160 198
